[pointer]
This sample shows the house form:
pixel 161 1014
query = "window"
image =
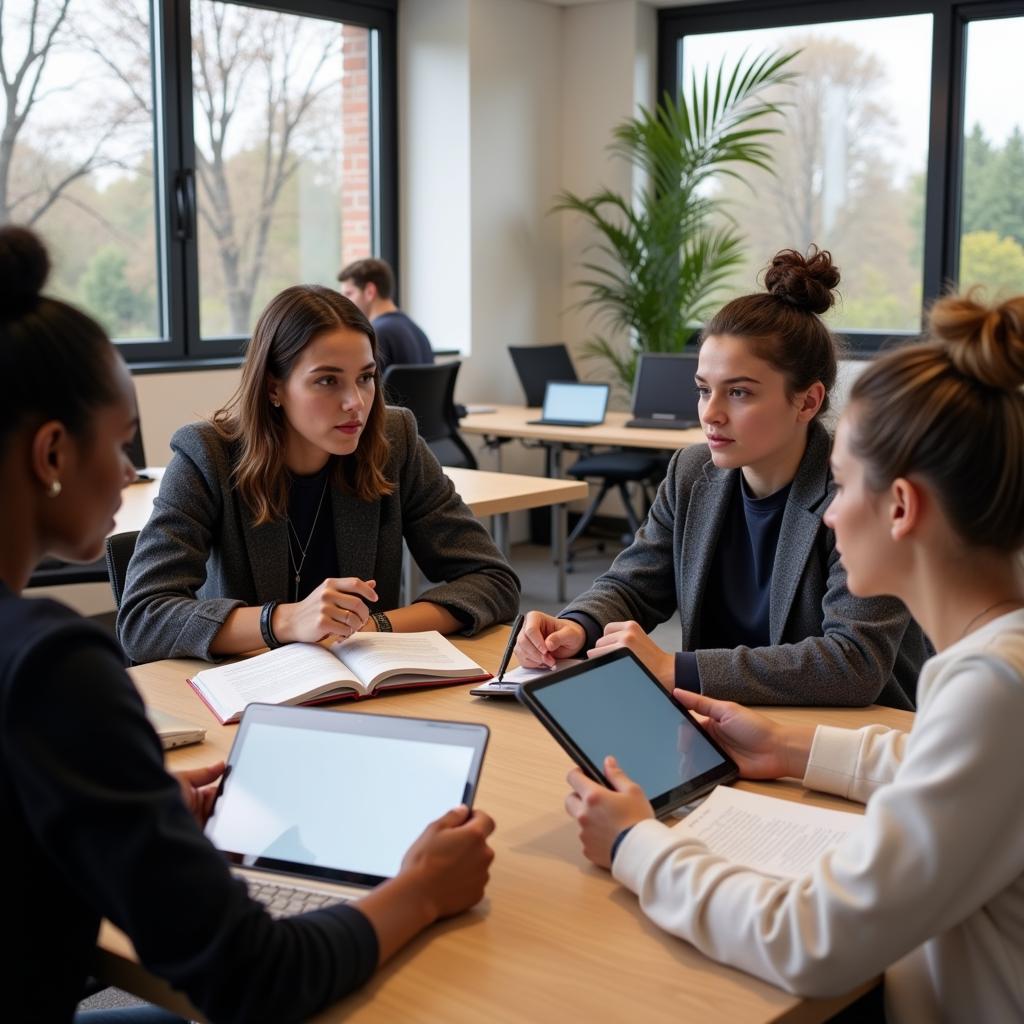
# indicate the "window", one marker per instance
pixel 180 186
pixel 911 180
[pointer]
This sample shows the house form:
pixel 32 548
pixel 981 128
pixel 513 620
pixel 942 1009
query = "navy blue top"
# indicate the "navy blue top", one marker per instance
pixel 399 340
pixel 737 595
pixel 95 827
pixel 312 530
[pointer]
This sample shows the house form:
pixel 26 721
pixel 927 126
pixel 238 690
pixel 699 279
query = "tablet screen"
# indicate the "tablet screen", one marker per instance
pixel 340 803
pixel 612 705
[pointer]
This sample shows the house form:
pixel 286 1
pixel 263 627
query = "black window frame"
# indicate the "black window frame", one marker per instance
pixel 950 19
pixel 177 256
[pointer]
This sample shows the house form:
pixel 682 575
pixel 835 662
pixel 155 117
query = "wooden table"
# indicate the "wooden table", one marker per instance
pixel 556 939
pixel 512 421
pixel 486 494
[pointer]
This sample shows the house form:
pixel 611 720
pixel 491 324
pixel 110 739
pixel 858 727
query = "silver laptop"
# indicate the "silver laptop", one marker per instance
pixel 664 394
pixel 573 404
pixel 320 806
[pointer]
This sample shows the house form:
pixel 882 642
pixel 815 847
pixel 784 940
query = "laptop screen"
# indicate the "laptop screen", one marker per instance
pixel 664 386
pixel 339 795
pixel 585 403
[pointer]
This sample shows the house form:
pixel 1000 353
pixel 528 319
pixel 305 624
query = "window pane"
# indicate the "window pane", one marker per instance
pixel 283 143
pixel 77 154
pixel 850 161
pixel 992 210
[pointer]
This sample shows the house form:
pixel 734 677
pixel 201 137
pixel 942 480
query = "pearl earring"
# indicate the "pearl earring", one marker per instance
pixel 275 403
pixel 54 489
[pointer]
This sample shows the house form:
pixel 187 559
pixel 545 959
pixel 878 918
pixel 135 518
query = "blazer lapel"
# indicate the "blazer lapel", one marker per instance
pixel 800 525
pixel 267 546
pixel 709 500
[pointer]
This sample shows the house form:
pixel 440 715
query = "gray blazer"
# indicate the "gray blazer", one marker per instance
pixel 827 647
pixel 199 556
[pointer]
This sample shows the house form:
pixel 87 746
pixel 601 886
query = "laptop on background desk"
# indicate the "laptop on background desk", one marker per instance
pixel 664 394
pixel 573 404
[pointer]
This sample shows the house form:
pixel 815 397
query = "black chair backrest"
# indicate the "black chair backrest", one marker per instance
pixel 428 391
pixel 537 364
pixel 136 451
pixel 120 548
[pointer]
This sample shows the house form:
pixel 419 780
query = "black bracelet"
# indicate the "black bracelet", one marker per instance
pixel 266 629
pixel 382 622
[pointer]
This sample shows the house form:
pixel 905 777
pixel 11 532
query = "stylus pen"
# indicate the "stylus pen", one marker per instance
pixel 512 637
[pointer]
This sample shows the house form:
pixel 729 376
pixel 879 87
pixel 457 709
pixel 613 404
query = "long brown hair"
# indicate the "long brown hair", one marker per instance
pixel 951 410
pixel 292 319
pixel 783 323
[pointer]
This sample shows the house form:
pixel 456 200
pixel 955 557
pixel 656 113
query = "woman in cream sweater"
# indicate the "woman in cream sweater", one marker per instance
pixel 929 462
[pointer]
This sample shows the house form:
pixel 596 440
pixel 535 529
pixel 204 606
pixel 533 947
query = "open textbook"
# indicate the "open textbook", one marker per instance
pixel 777 837
pixel 311 674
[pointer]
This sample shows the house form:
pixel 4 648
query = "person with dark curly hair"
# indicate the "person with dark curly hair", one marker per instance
pixel 735 539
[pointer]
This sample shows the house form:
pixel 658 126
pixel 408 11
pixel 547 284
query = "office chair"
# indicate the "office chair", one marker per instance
pixel 428 391
pixel 537 364
pixel 615 470
pixel 120 548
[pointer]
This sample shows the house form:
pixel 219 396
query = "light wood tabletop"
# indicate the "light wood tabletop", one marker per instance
pixel 513 421
pixel 555 939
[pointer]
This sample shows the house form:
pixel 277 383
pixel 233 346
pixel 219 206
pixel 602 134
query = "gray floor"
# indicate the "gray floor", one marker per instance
pixel 533 564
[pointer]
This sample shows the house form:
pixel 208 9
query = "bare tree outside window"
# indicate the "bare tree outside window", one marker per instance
pixel 76 151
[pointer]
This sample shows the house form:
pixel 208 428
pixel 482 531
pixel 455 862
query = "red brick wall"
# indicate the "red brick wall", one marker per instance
pixel 356 237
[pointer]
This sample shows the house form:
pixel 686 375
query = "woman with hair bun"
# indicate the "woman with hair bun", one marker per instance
pixel 929 506
pixel 93 825
pixel 735 539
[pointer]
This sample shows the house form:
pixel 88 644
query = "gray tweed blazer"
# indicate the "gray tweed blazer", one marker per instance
pixel 827 647
pixel 199 556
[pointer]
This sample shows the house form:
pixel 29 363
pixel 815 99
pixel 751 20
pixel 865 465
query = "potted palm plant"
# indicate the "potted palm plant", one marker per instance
pixel 663 258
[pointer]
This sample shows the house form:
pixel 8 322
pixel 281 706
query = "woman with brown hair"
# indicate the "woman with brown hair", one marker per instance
pixel 735 539
pixel 929 506
pixel 283 518
pixel 94 826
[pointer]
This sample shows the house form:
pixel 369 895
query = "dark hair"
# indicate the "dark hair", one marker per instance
pixel 951 410
pixel 292 319
pixel 369 270
pixel 56 361
pixel 783 323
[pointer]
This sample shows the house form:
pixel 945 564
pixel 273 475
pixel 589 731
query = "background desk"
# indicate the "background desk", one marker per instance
pixel 486 494
pixel 556 939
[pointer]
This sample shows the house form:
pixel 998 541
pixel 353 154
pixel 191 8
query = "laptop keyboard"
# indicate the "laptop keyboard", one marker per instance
pixel 288 900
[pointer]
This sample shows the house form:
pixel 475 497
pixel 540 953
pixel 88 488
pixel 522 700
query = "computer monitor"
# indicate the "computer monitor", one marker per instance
pixel 537 364
pixel 664 393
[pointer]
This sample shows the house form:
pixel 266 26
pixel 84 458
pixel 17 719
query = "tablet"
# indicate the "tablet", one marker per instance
pixel 339 795
pixel 613 705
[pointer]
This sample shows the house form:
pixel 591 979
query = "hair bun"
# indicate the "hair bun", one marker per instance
pixel 804 282
pixel 24 266
pixel 982 341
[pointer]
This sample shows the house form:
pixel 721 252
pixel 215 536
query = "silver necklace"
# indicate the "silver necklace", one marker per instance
pixel 297 563
pixel 985 611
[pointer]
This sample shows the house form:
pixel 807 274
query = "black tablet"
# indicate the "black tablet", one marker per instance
pixel 613 705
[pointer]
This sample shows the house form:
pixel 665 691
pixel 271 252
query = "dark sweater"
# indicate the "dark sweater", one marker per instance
pixel 400 340
pixel 95 827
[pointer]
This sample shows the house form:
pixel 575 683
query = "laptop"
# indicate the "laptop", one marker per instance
pixel 664 394
pixel 570 404
pixel 320 806
pixel 537 364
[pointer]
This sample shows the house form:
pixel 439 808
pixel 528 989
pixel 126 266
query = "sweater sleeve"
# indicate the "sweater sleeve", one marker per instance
pixel 450 544
pixel 948 823
pixel 160 615
pixel 88 770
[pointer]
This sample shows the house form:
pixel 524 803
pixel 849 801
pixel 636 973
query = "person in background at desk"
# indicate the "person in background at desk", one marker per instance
pixel 370 283
pixel 929 469
pixel 93 824
pixel 735 539
pixel 283 518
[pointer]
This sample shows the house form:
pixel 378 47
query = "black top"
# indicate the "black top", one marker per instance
pixel 311 527
pixel 399 340
pixel 95 827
